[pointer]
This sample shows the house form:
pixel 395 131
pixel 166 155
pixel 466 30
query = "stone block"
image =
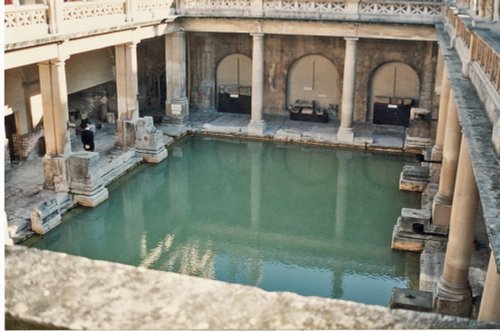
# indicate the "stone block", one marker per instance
pixel 345 135
pixel 403 298
pixel 149 141
pixel 55 173
pixel 84 172
pixel 45 216
pixel 441 214
pixel 92 200
pixel 414 178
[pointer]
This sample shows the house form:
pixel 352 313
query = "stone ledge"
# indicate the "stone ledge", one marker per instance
pixel 53 290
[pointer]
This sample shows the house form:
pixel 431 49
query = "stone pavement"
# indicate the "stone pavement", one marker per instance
pixel 24 181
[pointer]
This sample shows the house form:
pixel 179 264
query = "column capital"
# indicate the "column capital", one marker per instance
pixel 257 34
pixel 351 39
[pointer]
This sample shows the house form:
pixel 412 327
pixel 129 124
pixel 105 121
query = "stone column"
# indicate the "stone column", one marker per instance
pixel 55 121
pixel 177 104
pixel 257 124
pixel 490 302
pixel 126 93
pixel 453 294
pixel 346 132
pixel 441 207
pixel 437 149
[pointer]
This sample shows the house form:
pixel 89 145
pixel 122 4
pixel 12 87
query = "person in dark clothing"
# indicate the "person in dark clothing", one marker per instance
pixel 88 138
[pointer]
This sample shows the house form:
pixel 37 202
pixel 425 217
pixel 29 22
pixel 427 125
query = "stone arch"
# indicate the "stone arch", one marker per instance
pixel 393 83
pixel 234 84
pixel 313 78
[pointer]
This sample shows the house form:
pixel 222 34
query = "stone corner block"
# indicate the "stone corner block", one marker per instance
pixel 45 216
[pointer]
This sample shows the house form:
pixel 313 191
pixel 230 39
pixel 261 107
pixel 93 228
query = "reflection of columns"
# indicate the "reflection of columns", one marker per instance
pixel 55 121
pixel 126 92
pixel 442 201
pixel 343 158
pixel 437 149
pixel 255 183
pixel 177 104
pixel 257 124
pixel 490 301
pixel 453 294
pixel 346 133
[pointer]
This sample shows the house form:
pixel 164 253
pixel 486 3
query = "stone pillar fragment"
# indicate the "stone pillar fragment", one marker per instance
pixel 55 120
pixel 257 124
pixel 441 207
pixel 177 103
pixel 149 141
pixel 86 182
pixel 126 91
pixel 452 295
pixel 346 132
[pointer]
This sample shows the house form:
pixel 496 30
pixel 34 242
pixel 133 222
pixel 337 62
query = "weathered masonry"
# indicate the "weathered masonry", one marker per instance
pixel 431 67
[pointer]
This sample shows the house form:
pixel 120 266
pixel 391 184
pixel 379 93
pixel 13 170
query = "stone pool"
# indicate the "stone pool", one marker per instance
pixel 282 217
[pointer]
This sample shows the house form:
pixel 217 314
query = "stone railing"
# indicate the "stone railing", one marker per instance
pixel 480 61
pixel 367 10
pixel 23 23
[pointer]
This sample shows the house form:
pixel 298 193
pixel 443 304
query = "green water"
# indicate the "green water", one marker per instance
pixel 314 221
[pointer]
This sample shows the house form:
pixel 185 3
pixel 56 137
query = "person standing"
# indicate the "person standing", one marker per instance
pixel 88 138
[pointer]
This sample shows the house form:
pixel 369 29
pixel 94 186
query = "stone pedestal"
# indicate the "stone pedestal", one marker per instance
pixel 45 216
pixel 345 135
pixel 404 298
pixel 256 127
pixel 413 229
pixel 414 178
pixel 86 183
pixel 418 134
pixel 149 141
pixel 55 173
pixel 452 300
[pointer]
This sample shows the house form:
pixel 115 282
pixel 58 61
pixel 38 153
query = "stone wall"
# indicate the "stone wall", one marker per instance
pixel 28 146
pixel 47 290
pixel 281 51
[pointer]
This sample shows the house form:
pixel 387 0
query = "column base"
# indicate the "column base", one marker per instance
pixel 56 173
pixel 451 300
pixel 256 127
pixel 177 112
pixel 153 156
pixel 345 135
pixel 441 211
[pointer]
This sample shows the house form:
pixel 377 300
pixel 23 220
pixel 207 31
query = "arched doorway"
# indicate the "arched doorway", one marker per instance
pixel 234 84
pixel 395 88
pixel 314 79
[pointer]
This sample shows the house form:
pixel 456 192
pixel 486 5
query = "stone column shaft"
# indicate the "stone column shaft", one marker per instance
pixel 55 120
pixel 437 149
pixel 490 302
pixel 126 93
pixel 55 107
pixel 346 132
pixel 453 294
pixel 177 105
pixel 257 124
pixel 452 136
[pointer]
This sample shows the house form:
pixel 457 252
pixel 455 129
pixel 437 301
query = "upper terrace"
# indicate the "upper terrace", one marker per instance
pixel 57 20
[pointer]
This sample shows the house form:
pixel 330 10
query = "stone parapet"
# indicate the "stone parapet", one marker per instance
pixel 136 298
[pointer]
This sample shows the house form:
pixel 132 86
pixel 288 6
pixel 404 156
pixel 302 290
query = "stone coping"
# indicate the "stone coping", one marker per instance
pixel 478 130
pixel 45 289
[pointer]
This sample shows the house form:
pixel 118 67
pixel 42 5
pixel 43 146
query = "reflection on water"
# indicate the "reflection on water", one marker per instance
pixel 314 221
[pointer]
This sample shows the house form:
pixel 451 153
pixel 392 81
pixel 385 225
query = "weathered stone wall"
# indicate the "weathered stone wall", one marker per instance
pixel 47 290
pixel 205 52
pixel 151 72
pixel 27 146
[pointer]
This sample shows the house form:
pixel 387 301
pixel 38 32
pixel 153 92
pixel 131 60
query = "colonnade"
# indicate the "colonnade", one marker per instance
pixel 54 93
pixel 456 204
pixel 257 125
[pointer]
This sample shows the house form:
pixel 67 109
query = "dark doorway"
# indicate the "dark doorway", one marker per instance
pixel 391 114
pixel 234 99
pixel 10 129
